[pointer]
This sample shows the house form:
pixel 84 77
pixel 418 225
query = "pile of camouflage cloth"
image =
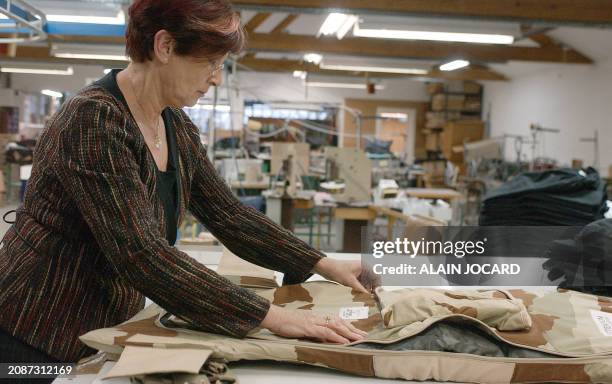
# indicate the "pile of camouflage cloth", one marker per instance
pixel 484 336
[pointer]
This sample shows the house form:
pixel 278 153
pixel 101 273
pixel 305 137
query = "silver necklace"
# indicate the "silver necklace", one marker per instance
pixel 156 133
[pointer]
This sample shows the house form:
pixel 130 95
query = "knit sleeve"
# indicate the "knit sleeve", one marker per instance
pixel 245 231
pixel 98 169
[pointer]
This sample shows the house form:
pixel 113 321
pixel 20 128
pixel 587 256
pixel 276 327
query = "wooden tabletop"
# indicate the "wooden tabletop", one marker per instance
pixel 433 193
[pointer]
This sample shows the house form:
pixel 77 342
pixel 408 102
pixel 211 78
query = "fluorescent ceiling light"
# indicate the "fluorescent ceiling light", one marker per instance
pixel 39 71
pixel 117 20
pixel 350 22
pixel 314 58
pixel 365 68
pixel 332 23
pixel 321 84
pixel 376 65
pixel 89 51
pixel 279 55
pixel 458 37
pixel 300 74
pixel 51 93
pixel 337 24
pixel 209 107
pixel 453 65
pixel 394 115
pixel 91 56
pixel 301 106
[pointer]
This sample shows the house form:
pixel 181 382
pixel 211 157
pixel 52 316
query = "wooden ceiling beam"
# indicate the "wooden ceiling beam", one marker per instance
pixel 42 54
pixel 384 48
pixel 543 40
pixel 574 12
pixel 38 54
pixel 256 21
pixel 271 65
pixel 32 52
pixel 283 25
pixel 78 39
pixel 541 37
pixel 413 49
pixel 468 74
pixel 538 35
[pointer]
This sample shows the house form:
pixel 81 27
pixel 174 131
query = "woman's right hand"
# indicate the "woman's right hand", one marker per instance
pixel 299 323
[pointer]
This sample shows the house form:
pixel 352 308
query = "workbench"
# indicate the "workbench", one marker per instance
pixel 267 372
pixel 255 372
pixel 433 193
pixel 259 185
pixel 349 224
pixel 283 211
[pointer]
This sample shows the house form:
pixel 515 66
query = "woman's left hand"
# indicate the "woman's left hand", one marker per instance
pixel 348 273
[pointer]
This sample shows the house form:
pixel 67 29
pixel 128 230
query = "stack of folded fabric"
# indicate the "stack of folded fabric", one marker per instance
pixel 560 197
pixel 584 262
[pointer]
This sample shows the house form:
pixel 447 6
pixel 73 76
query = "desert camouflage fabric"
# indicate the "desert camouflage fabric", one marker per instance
pixel 496 308
pixel 563 325
pixel 572 328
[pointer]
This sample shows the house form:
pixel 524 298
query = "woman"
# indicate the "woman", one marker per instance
pixel 113 174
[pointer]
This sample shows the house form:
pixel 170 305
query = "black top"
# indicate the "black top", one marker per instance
pixel 166 181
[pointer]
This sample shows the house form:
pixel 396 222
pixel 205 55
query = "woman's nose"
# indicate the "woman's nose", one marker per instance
pixel 217 79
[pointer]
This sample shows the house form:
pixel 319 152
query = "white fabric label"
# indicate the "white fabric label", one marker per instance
pixel 603 321
pixel 354 313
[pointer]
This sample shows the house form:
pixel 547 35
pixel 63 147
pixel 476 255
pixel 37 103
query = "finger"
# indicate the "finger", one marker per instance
pixel 327 334
pixel 355 329
pixel 355 284
pixel 342 329
pixel 368 278
pixel 376 281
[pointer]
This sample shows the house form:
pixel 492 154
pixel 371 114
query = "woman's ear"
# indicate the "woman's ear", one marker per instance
pixel 163 45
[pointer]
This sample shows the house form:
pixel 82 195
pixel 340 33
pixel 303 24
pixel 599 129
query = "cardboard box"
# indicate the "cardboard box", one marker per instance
pixel 435 120
pixel 447 102
pixel 471 87
pixel 432 141
pixel 577 163
pixel 438 119
pixel 434 168
pixel 460 132
pixel 472 104
pixel 434 88
pixel 6 138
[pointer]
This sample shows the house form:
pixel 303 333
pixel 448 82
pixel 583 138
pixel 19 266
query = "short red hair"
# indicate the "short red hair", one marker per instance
pixel 200 28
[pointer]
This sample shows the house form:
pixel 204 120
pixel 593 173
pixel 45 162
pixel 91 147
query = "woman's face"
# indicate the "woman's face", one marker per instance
pixel 188 78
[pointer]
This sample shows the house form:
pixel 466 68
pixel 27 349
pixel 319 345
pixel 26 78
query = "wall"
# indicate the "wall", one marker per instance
pixel 368 126
pixel 36 83
pixel 284 87
pixel 575 99
pixel 398 93
pixel 253 85
pixel 9 98
pixel 270 87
